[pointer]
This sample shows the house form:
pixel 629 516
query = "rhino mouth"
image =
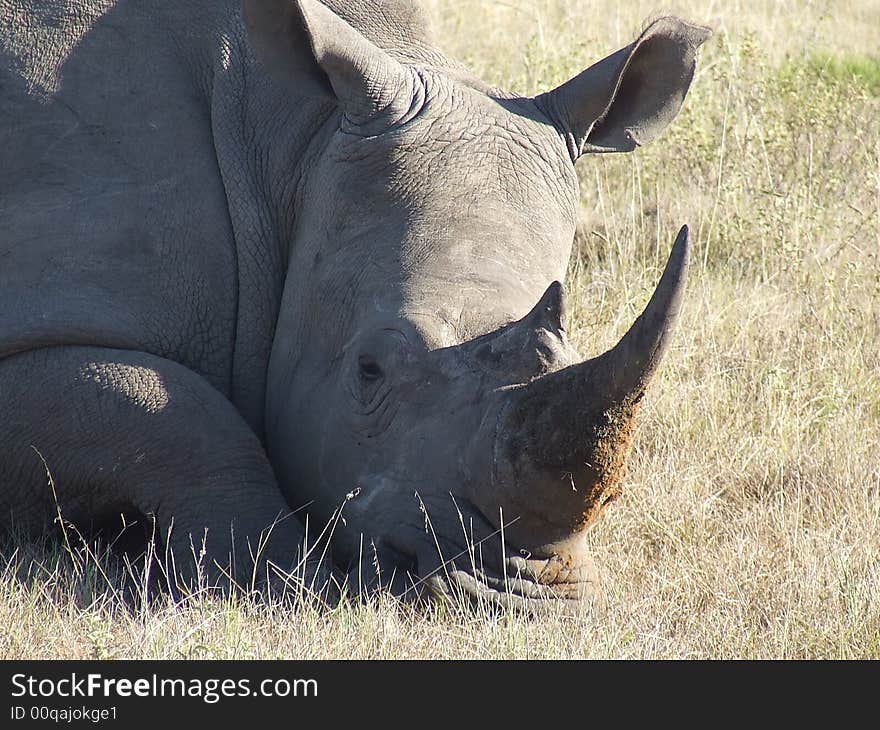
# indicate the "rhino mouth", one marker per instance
pixel 458 556
pixel 524 584
pixel 510 578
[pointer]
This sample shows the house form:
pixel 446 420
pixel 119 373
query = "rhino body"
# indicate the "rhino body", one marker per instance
pixel 286 257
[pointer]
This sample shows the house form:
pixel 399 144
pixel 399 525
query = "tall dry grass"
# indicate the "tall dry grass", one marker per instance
pixel 750 526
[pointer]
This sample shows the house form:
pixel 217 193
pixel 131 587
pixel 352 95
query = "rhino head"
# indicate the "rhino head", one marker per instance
pixel 422 394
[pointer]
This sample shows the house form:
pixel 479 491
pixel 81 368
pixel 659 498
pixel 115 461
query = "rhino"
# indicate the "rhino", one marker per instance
pixel 280 289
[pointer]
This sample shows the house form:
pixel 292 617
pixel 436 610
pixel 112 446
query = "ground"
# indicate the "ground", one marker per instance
pixel 750 521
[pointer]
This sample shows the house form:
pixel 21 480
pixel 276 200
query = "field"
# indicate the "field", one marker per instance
pixel 750 524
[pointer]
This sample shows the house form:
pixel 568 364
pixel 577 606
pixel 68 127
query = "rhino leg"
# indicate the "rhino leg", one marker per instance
pixel 123 432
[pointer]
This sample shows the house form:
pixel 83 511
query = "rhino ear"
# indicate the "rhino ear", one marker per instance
pixel 319 54
pixel 628 98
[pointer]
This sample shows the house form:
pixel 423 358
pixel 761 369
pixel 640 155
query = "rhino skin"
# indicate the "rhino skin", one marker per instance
pixel 286 268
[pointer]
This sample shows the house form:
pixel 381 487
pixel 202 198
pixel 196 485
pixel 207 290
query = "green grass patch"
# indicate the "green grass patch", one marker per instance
pixel 848 69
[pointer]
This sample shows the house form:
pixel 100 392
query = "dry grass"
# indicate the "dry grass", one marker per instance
pixel 751 521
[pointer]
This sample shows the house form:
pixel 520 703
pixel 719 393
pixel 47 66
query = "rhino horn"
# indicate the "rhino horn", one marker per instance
pixel 549 312
pixel 628 366
pixel 563 437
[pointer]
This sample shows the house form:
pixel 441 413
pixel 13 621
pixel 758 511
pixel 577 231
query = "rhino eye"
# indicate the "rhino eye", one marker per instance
pixel 369 369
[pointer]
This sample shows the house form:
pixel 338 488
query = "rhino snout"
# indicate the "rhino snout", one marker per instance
pixel 558 443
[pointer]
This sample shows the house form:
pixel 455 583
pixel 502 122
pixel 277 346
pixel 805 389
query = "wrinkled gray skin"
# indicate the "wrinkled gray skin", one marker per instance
pixel 292 262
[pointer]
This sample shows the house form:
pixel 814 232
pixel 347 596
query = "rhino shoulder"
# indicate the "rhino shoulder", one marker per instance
pixel 402 27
